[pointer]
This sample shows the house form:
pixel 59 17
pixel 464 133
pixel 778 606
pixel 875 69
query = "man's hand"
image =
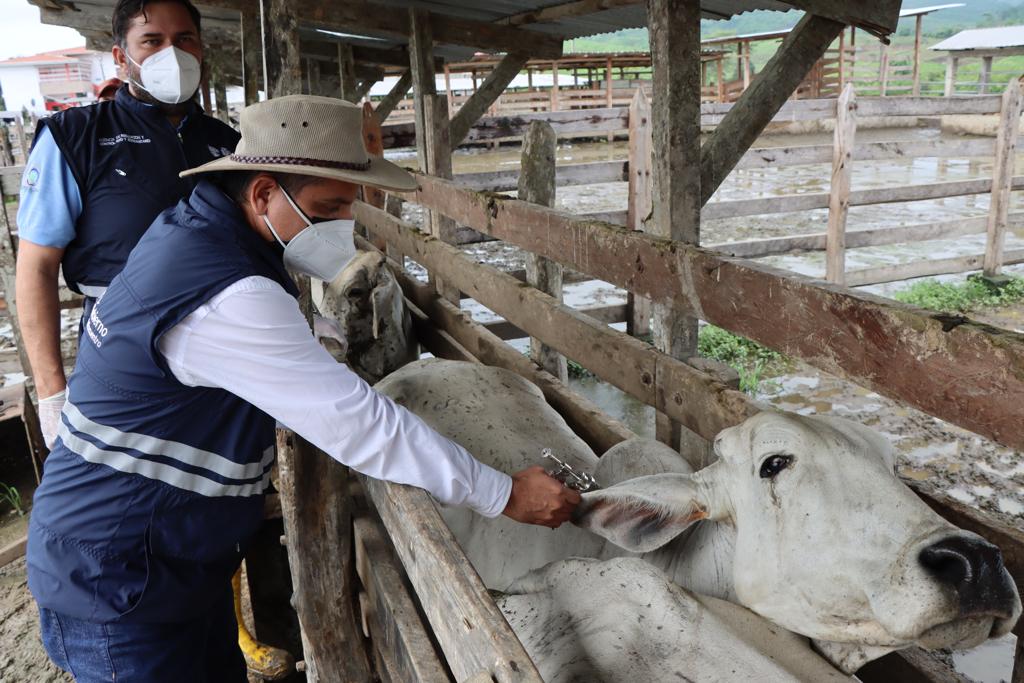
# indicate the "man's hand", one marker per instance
pixel 538 498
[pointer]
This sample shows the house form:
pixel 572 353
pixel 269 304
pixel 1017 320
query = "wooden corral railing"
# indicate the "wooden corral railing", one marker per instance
pixel 927 360
pixel 840 196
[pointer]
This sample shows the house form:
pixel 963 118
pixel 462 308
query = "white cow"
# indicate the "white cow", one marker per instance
pixel 802 520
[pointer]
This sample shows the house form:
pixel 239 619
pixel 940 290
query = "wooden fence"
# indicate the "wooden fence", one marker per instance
pixel 920 358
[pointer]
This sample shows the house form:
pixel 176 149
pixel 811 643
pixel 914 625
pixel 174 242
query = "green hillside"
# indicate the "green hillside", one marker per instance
pixel 975 13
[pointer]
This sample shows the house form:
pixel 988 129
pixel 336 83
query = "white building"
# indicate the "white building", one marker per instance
pixel 51 81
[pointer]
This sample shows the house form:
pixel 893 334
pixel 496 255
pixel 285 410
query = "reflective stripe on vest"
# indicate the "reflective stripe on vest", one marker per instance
pixel 105 445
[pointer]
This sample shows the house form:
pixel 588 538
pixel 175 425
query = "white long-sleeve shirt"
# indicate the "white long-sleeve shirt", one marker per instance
pixel 252 340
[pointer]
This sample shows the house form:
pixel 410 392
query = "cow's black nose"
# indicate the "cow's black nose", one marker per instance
pixel 974 568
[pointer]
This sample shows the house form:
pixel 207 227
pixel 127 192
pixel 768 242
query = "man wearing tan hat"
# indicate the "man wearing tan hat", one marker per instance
pixel 155 485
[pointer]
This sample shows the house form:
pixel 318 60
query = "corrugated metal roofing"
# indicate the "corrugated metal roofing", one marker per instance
pixel 927 10
pixel 984 39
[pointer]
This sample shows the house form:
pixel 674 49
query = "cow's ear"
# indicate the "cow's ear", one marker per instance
pixel 642 514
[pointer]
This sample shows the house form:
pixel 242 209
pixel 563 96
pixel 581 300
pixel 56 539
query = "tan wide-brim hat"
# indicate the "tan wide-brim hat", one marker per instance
pixel 308 135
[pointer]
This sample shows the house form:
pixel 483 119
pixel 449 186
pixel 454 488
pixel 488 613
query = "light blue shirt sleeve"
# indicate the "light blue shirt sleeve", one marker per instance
pixel 50 202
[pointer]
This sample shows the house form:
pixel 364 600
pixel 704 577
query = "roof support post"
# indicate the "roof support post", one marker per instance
pixel 398 92
pixel 674 27
pixel 951 67
pixel 917 55
pixel 537 185
pixel 315 503
pixel 488 92
pixel 252 56
pixel 424 83
pixel 770 89
pixel 347 73
pixel 1002 177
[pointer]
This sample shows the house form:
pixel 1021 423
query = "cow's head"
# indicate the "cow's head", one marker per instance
pixel 829 542
pixel 367 302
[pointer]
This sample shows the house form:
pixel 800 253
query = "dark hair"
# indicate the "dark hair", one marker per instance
pixel 235 184
pixel 126 10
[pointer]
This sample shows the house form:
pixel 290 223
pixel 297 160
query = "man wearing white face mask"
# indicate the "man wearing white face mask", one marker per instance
pixel 155 485
pixel 98 176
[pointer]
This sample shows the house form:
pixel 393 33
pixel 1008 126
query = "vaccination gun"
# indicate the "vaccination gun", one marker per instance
pixel 570 478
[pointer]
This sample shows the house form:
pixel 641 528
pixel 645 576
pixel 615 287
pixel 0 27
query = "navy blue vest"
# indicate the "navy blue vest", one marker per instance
pixel 126 156
pixel 154 488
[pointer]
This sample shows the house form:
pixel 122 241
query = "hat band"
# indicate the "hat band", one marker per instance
pixel 302 161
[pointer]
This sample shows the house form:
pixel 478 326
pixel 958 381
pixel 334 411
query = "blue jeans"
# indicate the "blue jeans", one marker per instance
pixel 204 650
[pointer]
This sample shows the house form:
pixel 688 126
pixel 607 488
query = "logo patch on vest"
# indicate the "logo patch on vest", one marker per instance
pixel 124 137
pixel 31 179
pixel 95 327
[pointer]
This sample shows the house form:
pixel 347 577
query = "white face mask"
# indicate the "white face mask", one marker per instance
pixel 322 249
pixel 170 75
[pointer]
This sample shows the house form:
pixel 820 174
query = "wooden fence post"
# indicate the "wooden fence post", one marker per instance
pixel 6 153
pixel 638 316
pixel 315 502
pixel 537 185
pixel 1002 177
pixel 917 55
pixel 252 62
pixel 554 85
pixel 347 81
pixel 883 69
pixel 439 163
pixel 839 192
pixel 19 126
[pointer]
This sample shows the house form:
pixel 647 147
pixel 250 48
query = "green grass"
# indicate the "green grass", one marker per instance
pixel 752 361
pixel 10 495
pixel 964 297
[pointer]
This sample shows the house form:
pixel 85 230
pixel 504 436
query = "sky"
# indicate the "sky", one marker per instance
pixel 22 33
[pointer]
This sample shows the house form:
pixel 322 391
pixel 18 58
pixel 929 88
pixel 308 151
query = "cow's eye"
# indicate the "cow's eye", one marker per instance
pixel 355 293
pixel 775 464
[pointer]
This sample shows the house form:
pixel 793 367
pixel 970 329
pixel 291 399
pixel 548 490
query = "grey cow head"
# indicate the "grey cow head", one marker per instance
pixel 367 302
pixel 829 542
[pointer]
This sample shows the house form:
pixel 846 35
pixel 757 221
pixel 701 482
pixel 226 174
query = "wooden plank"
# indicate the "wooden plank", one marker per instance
pixel 769 157
pixel 670 385
pixel 839 188
pixel 927 106
pixel 348 83
pixel 395 626
pixel 674 27
pixel 641 189
pixel 1002 177
pixel 870 237
pixel 907 271
pixel 759 103
pixel 470 629
pixel 486 95
pixel 596 121
pixel 963 372
pixel 615 313
pixel 537 185
pixel 819 200
pixel 569 174
pixel 13 550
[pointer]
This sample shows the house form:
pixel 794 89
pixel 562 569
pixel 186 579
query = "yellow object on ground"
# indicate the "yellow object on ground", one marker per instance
pixel 264 661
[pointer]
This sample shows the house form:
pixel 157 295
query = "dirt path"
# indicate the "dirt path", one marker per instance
pixel 22 657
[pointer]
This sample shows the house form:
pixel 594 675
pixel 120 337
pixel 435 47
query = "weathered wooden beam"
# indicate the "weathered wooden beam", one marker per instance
pixel 638 212
pixel 1002 177
pixel 282 65
pixel 839 187
pixel 347 81
pixel 669 385
pixel 398 92
pixel 928 268
pixel 471 631
pixel 674 27
pixel 961 371
pixel 489 91
pixel 387 21
pixel 252 59
pixel 878 18
pixel 759 103
pixel 421 66
pixel 364 87
pixel 395 625
pixel 537 185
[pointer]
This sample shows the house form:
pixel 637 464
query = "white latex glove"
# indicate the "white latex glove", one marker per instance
pixel 49 417
pixel 325 328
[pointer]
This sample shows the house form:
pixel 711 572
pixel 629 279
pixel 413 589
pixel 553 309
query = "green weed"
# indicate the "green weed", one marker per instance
pixel 9 494
pixel 749 359
pixel 964 297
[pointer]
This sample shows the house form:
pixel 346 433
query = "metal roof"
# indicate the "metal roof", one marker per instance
pixel 984 39
pixel 927 10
